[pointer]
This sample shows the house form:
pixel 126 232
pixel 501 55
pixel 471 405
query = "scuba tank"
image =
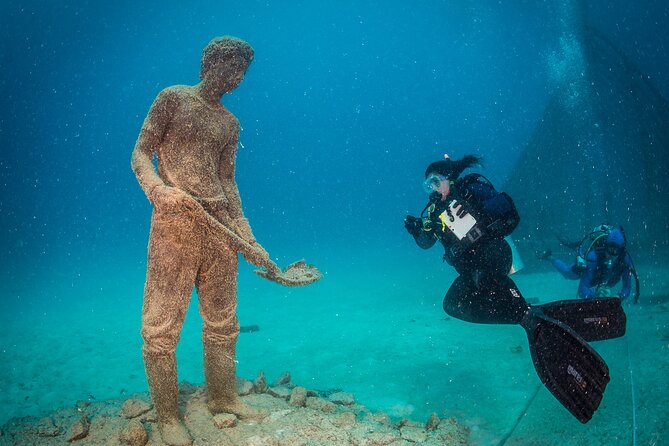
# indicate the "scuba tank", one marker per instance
pixel 596 239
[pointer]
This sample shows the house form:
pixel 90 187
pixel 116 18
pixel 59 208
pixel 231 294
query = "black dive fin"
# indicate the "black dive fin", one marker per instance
pixel 592 319
pixel 569 368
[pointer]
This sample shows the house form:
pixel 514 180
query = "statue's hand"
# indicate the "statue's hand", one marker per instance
pixel 172 199
pixel 273 269
pixel 243 229
pixel 257 256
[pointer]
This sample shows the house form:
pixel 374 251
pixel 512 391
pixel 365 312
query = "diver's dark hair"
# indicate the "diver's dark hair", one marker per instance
pixel 452 169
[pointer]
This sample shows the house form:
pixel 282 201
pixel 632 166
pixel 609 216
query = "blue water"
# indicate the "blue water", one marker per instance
pixel 343 107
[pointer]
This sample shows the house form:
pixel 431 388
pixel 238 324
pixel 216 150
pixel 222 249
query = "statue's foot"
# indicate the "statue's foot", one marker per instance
pixel 241 410
pixel 175 433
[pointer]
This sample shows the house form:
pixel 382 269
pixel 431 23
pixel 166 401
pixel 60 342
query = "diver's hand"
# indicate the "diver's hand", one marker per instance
pixel 413 225
pixel 172 199
pixel 459 209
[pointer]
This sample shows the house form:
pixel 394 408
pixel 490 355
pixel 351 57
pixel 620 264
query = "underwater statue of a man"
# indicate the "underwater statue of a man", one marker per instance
pixel 197 229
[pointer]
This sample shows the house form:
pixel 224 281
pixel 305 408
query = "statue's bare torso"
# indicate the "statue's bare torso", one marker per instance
pixel 199 144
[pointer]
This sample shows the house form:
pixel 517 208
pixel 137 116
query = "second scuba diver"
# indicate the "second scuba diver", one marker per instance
pixel 471 219
pixel 602 261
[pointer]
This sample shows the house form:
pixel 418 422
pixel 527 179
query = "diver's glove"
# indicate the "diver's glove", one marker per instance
pixel 413 225
pixel 461 211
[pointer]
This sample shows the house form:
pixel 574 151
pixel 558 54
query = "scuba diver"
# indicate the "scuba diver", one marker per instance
pixel 602 261
pixel 471 220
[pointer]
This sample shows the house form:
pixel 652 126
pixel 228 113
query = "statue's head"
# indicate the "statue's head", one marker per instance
pixel 226 59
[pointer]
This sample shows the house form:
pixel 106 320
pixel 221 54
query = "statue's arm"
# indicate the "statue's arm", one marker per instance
pixel 150 136
pixel 227 177
pixel 258 255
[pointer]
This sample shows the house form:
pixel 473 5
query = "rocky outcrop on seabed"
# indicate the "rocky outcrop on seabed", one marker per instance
pixel 297 417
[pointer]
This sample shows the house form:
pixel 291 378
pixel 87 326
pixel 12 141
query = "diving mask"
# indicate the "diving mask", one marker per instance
pixel 432 182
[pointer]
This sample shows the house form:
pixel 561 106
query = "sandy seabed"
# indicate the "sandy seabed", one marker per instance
pixel 376 332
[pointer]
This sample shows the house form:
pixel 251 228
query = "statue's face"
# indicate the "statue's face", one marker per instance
pixel 226 76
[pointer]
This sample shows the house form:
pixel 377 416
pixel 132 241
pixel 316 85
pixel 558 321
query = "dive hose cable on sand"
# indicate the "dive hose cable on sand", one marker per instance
pixel 629 362
pixel 520 416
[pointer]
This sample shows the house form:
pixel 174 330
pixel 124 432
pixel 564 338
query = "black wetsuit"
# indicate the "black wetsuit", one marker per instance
pixel 483 292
